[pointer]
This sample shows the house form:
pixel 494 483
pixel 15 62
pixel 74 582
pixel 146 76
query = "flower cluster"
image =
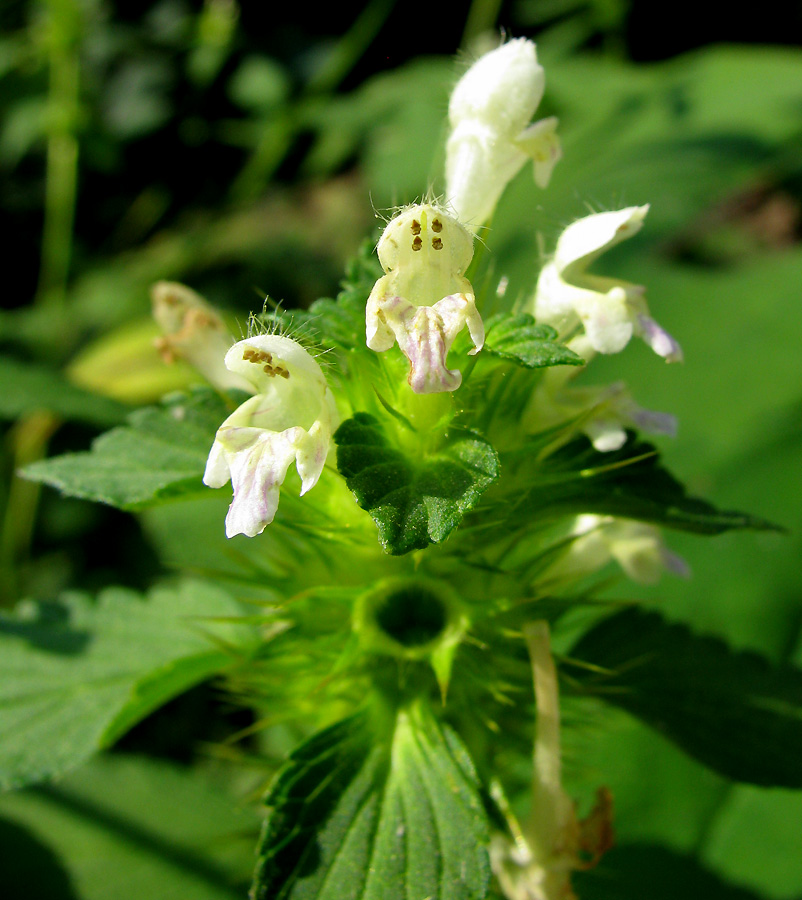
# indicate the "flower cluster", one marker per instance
pixel 420 469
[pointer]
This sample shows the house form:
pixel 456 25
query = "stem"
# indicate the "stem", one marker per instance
pixel 551 809
pixel 28 441
pixel 481 18
pixel 61 179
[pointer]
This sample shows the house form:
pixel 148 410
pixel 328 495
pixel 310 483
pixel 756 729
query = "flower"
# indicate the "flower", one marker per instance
pixel 610 310
pixel 491 138
pixel 424 300
pixel 636 546
pixel 291 417
pixel 603 413
pixel 194 331
pixel 537 863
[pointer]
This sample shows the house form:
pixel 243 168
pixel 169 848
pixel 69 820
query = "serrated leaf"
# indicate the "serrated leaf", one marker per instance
pixel 160 453
pixel 733 711
pixel 28 387
pixel 630 483
pixel 375 813
pixel 75 675
pixel 414 503
pixel 533 346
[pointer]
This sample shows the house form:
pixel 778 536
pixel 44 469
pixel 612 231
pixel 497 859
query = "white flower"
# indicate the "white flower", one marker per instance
pixel 291 418
pixel 491 137
pixel 636 546
pixel 603 413
pixel 194 331
pixel 610 310
pixel 424 300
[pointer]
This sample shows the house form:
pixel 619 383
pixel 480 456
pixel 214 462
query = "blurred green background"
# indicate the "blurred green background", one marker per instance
pixel 187 141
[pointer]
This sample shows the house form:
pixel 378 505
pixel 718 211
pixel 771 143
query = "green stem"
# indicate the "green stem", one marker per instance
pixel 28 441
pixel 482 18
pixel 61 182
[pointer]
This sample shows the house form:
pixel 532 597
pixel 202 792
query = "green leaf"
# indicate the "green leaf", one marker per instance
pixel 123 827
pixel 366 815
pixel 27 387
pixel 534 346
pixel 161 453
pixel 413 503
pixel 625 872
pixel 731 710
pixel 629 483
pixel 75 675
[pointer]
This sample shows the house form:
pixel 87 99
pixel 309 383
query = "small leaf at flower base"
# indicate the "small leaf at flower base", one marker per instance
pixel 733 711
pixel 160 453
pixel 629 483
pixel 414 502
pixel 375 812
pixel 533 346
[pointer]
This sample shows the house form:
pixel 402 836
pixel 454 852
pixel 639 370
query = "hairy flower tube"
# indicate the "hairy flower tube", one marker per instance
pixel 291 418
pixel 424 300
pixel 491 136
pixel 610 310
pixel 193 331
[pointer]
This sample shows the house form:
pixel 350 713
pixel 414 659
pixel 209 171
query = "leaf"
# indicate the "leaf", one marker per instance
pixel 75 675
pixel 160 453
pixel 413 503
pixel 27 387
pixel 630 483
pixel 125 826
pixel 366 816
pixel 732 711
pixel 635 870
pixel 534 346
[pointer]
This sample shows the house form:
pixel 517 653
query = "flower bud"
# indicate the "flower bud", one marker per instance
pixel 491 137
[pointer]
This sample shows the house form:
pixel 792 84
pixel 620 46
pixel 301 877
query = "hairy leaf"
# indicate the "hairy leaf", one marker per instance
pixel 629 483
pixel 375 814
pixel 160 453
pixel 414 502
pixel 534 346
pixel 76 674
pixel 731 710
